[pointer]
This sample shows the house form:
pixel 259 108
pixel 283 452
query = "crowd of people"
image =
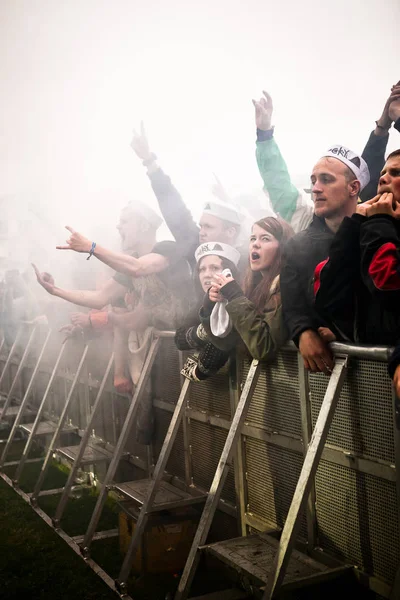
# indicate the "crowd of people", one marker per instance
pixel 312 268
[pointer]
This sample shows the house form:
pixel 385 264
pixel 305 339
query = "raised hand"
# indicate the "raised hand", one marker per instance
pixel 76 242
pixel 45 280
pixel 394 107
pixel 263 112
pixel 386 118
pixel 140 144
pixel 219 191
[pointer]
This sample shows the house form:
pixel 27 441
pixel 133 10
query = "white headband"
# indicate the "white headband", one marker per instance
pixel 352 160
pixel 224 211
pixel 218 249
pixel 145 211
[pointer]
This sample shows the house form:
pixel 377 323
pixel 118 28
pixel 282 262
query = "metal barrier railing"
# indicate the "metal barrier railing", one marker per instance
pixel 369 466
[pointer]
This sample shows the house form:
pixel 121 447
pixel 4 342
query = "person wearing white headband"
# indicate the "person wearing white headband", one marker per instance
pixel 336 180
pixel 155 269
pixel 220 220
pixel 211 258
pixel 254 308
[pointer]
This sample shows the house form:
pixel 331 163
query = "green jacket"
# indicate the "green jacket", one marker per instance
pixel 261 335
pixel 287 201
pixel 296 206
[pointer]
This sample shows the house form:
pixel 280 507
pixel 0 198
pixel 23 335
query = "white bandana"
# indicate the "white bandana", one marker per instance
pixel 352 160
pixel 217 249
pixel 145 211
pixel 224 211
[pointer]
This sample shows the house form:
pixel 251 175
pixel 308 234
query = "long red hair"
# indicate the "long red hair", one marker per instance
pixel 257 287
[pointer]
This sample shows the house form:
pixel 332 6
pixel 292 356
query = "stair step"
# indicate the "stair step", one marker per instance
pixel 254 555
pixel 93 453
pixel 231 594
pixel 167 496
pixel 46 427
pixel 12 412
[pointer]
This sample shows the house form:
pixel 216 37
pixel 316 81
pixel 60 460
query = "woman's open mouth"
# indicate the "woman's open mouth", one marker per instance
pixel 255 256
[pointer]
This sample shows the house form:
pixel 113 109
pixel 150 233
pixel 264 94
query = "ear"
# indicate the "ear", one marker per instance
pixel 232 232
pixel 355 187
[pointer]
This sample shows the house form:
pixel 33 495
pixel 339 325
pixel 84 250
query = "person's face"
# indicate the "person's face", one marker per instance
pixel 213 229
pixel 330 188
pixel 129 229
pixel 390 178
pixel 263 248
pixel 208 267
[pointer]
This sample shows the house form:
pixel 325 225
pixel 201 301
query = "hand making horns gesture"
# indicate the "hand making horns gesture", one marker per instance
pixel 263 112
pixel 76 242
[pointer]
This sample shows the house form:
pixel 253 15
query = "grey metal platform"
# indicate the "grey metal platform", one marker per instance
pixel 47 427
pixel 252 556
pixel 12 412
pixel 93 453
pixel 167 496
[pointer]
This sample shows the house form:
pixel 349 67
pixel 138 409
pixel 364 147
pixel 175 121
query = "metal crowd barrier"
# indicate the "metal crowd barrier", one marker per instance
pixel 352 495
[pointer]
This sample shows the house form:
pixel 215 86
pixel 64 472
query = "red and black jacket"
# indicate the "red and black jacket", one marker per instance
pixel 358 288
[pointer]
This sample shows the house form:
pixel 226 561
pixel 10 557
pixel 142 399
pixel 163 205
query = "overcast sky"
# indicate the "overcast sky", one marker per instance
pixel 78 75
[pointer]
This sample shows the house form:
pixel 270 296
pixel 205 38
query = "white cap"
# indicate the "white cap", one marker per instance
pixel 145 211
pixel 224 211
pixel 352 160
pixel 218 249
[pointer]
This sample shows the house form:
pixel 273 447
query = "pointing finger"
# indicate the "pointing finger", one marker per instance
pixel 37 272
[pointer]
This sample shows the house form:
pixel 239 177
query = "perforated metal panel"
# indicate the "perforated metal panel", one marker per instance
pixel 272 475
pixel 176 462
pixel 166 373
pixel 212 396
pixel 363 418
pixel 357 519
pixel 275 404
pixel 207 445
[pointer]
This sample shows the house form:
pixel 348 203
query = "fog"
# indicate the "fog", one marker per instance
pixel 78 76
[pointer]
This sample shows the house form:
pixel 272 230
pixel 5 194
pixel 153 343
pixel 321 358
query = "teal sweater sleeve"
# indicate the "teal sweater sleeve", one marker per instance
pixel 273 170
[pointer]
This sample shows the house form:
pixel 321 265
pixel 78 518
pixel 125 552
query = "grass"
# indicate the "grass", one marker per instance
pixel 36 563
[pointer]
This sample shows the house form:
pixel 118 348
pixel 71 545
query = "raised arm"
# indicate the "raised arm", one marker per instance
pixel 286 200
pixel 123 263
pixel 374 151
pixel 108 293
pixel 176 214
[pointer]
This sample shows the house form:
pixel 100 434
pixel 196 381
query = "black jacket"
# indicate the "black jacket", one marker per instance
pixel 302 254
pixel 311 247
pixel 357 289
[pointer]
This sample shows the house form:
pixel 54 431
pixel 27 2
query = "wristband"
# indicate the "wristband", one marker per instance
pixel 92 249
pixel 381 127
pixel 147 161
pixel 99 320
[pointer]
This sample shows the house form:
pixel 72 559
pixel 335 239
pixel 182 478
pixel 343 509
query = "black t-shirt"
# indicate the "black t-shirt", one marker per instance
pixel 176 277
